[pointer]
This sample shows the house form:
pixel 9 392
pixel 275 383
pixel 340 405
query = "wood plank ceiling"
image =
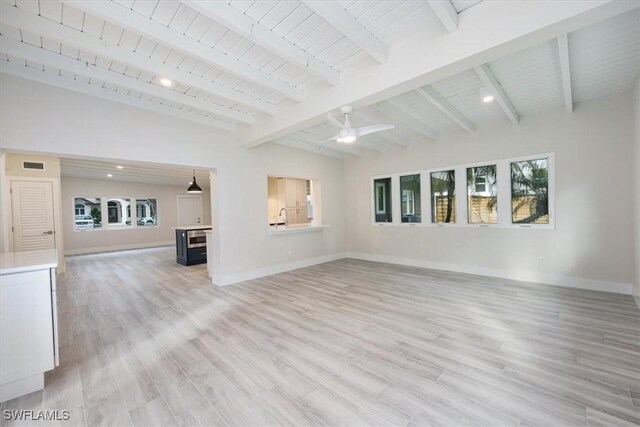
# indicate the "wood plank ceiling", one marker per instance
pixel 230 64
pixel 140 173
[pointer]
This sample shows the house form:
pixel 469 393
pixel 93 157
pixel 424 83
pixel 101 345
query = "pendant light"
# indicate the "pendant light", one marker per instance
pixel 194 187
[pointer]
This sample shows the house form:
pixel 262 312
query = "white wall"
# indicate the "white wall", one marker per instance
pixel 33 120
pixel 636 179
pixel 591 245
pixel 106 239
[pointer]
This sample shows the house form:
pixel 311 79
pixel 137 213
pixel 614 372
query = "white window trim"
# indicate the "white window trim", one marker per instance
pixel 414 202
pixel 498 194
pixel 504 194
pixel 395 184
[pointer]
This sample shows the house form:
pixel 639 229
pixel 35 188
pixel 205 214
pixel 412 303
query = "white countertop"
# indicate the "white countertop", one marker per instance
pixel 20 262
pixel 296 228
pixel 192 227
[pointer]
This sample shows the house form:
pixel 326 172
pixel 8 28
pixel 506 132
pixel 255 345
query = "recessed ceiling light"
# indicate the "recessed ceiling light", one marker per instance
pixel 165 82
pixel 120 167
pixel 486 95
pixel 109 175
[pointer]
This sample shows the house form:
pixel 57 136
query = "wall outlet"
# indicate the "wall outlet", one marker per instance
pixel 289 254
pixel 541 260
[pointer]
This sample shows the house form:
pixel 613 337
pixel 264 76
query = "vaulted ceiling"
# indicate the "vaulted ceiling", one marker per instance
pixel 244 65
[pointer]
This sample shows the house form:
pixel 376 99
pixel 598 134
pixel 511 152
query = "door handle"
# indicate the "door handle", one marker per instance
pixel 48 232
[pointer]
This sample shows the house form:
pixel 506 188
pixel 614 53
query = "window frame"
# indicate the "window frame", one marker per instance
pixel 550 189
pixel 104 202
pixel 456 177
pixel 391 203
pixel 401 194
pixel 497 164
pixel 503 181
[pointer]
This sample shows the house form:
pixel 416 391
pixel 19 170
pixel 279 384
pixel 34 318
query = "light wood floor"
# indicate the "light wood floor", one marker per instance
pixel 146 341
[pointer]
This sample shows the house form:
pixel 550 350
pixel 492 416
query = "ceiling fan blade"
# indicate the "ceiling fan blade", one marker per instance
pixel 331 119
pixel 333 138
pixel 371 129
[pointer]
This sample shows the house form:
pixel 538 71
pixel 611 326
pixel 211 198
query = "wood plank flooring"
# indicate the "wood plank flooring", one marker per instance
pixel 145 341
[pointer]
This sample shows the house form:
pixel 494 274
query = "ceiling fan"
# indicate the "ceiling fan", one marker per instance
pixel 349 134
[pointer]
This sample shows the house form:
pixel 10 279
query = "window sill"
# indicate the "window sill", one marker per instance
pixel 455 225
pixel 296 229
pixel 113 227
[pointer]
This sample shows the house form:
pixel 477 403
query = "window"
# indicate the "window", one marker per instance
pixel 530 192
pixel 119 211
pixel 410 201
pixel 382 196
pixel 482 196
pixel 147 212
pixel 88 213
pixel 443 196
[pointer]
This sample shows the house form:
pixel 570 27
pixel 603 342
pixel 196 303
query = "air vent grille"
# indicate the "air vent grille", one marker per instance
pixel 33 165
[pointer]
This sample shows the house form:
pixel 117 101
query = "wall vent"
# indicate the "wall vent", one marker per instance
pixel 33 165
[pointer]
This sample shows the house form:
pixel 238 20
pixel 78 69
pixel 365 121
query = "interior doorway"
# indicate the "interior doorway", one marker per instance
pixel 190 210
pixel 32 215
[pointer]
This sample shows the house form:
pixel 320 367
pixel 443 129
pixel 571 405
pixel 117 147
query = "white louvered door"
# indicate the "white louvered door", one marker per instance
pixel 32 211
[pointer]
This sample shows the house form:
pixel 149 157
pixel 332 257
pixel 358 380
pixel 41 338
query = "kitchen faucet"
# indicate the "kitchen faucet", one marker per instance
pixel 286 217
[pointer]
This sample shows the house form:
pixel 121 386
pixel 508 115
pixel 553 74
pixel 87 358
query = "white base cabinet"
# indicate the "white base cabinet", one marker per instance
pixel 28 334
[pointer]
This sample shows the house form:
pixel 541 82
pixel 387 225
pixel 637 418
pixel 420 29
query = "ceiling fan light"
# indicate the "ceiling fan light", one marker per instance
pixel 347 135
pixel 348 139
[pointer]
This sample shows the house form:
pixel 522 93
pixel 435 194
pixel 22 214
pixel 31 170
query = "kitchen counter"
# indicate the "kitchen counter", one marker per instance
pixel 192 227
pixel 296 228
pixel 20 262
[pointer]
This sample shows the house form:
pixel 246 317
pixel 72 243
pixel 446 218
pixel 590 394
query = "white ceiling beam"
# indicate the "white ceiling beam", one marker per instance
pixel 46 57
pixel 397 114
pixel 68 36
pixel 341 20
pixel 446 13
pixel 441 103
pixel 99 92
pixel 235 20
pixel 489 79
pixel 491 30
pixel 565 69
pixel 314 148
pixel 120 15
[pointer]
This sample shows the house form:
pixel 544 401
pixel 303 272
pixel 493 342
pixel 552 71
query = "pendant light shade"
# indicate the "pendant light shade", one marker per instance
pixel 194 187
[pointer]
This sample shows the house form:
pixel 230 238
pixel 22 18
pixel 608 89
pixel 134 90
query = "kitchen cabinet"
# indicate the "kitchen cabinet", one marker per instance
pixel 292 195
pixel 28 321
pixel 191 244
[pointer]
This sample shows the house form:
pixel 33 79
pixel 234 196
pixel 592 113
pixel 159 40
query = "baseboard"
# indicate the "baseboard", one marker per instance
pixel 118 248
pixel 279 268
pixel 525 276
